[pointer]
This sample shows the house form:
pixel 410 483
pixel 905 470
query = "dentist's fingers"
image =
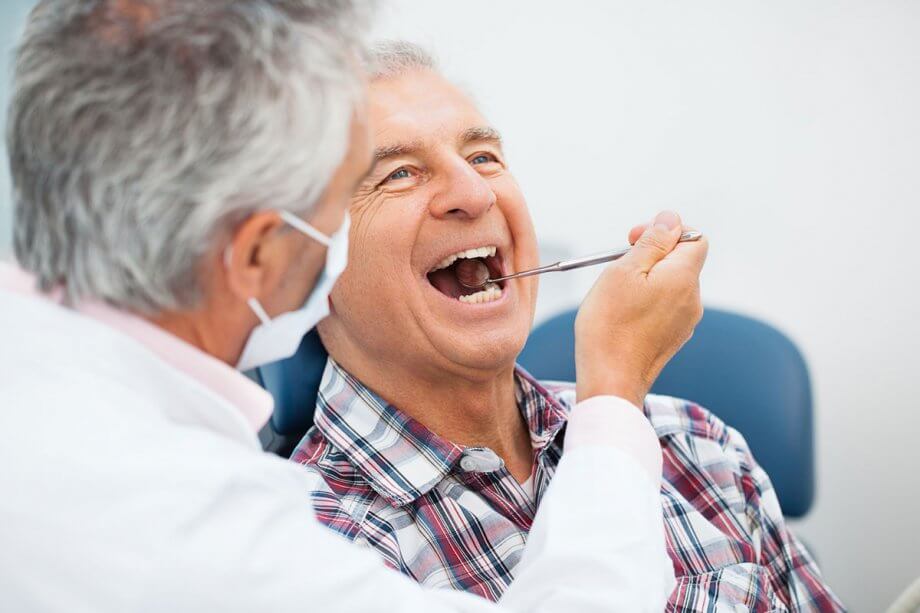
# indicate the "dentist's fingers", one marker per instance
pixel 657 241
pixel 640 312
pixel 636 232
pixel 686 259
pixel 691 253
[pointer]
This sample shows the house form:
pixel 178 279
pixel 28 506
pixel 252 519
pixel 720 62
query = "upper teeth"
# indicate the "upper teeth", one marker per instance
pixel 479 252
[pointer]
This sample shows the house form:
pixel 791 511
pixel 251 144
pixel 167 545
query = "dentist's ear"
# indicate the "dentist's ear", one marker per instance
pixel 254 261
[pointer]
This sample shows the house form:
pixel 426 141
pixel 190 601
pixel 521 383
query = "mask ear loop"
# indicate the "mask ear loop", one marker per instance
pixel 306 228
pixel 252 302
pixel 259 311
pixel 301 225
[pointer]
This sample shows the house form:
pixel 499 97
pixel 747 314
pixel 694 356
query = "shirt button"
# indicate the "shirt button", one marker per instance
pixel 468 464
pixel 480 460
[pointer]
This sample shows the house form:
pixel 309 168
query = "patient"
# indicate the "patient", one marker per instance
pixel 431 446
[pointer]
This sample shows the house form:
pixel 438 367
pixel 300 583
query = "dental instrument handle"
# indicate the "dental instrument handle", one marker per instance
pixel 588 260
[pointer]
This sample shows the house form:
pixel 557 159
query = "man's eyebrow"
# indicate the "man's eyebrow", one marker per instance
pixel 470 135
pixel 481 133
pixel 392 151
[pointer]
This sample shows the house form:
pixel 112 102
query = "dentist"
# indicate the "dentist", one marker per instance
pixel 181 174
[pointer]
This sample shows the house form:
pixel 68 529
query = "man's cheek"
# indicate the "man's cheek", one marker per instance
pixel 368 280
pixel 520 224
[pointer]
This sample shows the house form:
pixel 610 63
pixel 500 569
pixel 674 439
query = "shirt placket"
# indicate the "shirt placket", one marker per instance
pixel 547 460
pixel 484 472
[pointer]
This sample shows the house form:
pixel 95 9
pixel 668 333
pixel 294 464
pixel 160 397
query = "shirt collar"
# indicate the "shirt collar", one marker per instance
pixel 250 399
pixel 401 458
pixel 545 414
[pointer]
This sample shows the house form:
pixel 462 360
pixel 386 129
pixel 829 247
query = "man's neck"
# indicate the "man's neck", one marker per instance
pixel 476 411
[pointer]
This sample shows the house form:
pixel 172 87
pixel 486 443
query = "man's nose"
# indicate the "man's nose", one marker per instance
pixel 463 194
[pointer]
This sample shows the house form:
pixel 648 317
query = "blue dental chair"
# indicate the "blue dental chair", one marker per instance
pixel 294 383
pixel 744 371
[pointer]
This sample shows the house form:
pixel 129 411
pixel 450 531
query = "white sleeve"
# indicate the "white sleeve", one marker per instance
pixel 597 544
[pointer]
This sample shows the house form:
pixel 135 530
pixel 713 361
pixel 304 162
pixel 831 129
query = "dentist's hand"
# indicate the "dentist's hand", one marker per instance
pixel 640 312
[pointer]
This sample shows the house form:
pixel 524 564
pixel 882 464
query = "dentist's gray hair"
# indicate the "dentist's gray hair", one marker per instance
pixel 139 131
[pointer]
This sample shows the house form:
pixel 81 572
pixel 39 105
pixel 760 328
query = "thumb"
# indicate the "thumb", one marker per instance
pixel 658 240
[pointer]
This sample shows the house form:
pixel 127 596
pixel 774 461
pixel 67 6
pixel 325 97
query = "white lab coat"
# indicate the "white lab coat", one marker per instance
pixel 125 485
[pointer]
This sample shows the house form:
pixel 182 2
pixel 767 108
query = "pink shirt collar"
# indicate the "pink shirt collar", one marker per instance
pixel 250 399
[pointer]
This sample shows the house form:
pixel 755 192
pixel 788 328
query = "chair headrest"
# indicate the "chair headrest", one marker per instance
pixel 745 371
pixel 294 383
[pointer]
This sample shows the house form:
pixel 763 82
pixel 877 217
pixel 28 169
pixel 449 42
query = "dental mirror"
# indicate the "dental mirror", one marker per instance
pixel 473 274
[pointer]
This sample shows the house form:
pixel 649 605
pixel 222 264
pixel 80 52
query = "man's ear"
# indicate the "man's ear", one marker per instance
pixel 254 259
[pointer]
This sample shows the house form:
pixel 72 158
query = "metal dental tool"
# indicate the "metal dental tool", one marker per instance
pixel 589 260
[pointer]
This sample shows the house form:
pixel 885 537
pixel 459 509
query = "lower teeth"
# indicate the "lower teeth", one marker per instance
pixel 491 292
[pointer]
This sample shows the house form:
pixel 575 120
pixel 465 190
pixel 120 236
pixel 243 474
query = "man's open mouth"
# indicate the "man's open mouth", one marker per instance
pixel 472 264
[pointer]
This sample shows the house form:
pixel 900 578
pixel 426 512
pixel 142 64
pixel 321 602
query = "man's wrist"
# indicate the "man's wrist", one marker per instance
pixel 630 388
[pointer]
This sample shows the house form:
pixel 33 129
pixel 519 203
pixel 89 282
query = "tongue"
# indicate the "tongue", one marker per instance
pixel 472 273
pixel 445 280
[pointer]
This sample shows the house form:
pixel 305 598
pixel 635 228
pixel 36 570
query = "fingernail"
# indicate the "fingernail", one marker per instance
pixel 667 220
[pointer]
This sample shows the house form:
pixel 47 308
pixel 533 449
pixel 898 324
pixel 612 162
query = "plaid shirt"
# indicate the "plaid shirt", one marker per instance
pixel 454 517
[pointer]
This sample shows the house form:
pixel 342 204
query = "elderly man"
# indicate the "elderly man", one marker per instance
pixel 434 449
pixel 181 174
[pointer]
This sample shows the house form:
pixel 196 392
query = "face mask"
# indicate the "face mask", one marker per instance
pixel 278 338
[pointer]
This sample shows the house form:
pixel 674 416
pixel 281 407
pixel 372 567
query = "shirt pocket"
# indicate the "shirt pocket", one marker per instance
pixel 735 588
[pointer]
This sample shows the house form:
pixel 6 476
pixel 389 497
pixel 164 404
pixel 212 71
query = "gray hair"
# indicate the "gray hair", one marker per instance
pixel 394 58
pixel 141 130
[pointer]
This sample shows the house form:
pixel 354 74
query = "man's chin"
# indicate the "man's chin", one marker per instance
pixel 487 353
pixel 478 337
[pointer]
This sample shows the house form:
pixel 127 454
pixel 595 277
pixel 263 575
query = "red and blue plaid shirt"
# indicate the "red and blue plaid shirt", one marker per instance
pixel 454 517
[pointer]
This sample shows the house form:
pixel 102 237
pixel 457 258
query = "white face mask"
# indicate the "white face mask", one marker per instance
pixel 278 338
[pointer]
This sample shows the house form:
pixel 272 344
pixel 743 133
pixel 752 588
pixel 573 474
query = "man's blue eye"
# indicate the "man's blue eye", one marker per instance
pixel 481 159
pixel 402 173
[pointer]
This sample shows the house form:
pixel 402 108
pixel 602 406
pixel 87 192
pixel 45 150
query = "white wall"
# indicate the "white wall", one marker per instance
pixel 789 132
